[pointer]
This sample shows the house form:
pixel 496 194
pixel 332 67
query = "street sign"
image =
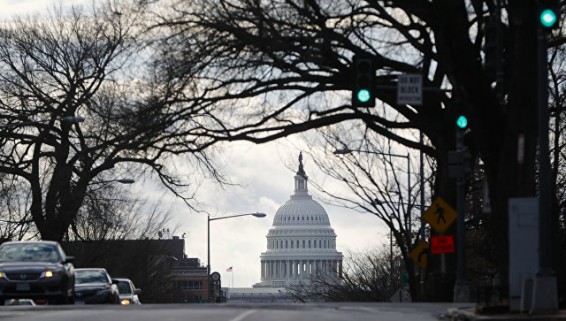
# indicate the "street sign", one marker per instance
pixel 439 215
pixel 420 254
pixel 410 89
pixel 442 244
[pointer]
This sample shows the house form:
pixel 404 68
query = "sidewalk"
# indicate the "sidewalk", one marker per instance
pixel 470 314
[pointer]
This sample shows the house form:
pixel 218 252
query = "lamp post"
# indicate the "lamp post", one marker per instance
pixel 347 150
pixel 209 219
pixel 64 119
pixel 408 228
pixel 102 184
pixel 117 180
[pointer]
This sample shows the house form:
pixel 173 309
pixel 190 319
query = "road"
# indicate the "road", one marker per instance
pixel 227 312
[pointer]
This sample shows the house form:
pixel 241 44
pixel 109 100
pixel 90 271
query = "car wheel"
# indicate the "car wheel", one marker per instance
pixel 61 300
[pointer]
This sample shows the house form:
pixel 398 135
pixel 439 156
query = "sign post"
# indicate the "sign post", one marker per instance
pixel 440 215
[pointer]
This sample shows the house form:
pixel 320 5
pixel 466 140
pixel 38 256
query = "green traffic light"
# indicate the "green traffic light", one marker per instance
pixel 547 18
pixel 462 122
pixel 363 95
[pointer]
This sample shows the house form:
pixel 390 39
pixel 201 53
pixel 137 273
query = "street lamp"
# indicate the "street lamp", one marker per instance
pixel 64 119
pixel 257 214
pixel 346 150
pixel 106 182
pixel 117 180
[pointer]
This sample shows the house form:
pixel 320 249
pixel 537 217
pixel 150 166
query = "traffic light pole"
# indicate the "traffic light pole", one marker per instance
pixel 461 287
pixel 545 293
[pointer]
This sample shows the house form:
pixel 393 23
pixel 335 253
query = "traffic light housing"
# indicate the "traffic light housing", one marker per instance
pixel 459 163
pixel 548 13
pixel 363 83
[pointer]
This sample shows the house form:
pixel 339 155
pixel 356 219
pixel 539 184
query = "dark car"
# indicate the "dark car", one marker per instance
pixel 94 286
pixel 128 292
pixel 36 270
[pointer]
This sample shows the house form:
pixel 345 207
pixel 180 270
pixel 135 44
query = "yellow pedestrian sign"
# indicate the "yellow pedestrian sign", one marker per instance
pixel 440 215
pixel 420 254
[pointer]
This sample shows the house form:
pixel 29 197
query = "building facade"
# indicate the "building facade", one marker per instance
pixel 159 267
pixel 301 243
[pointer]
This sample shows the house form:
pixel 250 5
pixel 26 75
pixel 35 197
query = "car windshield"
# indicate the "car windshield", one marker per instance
pixel 29 252
pixel 90 276
pixel 124 287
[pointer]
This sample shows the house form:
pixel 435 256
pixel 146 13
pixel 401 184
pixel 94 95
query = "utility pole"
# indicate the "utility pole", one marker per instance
pixel 545 293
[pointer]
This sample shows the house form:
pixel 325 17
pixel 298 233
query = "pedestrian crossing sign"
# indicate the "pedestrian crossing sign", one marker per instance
pixel 440 215
pixel 420 254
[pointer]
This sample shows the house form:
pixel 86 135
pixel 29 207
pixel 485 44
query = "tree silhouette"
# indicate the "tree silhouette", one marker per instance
pixel 88 63
pixel 277 68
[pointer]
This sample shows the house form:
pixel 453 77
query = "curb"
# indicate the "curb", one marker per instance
pixel 469 314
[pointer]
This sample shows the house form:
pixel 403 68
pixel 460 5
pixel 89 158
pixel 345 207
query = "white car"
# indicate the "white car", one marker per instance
pixel 128 292
pixel 20 302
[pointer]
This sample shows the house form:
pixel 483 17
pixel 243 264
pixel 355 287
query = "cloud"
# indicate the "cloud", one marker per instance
pixel 266 173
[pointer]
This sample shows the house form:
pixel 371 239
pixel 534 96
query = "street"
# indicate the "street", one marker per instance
pixel 228 312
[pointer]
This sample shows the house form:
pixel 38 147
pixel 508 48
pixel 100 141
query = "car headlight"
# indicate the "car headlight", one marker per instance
pixel 2 275
pixel 125 301
pixel 48 274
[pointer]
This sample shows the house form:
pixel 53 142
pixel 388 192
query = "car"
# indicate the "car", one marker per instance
pixel 95 286
pixel 20 302
pixel 36 270
pixel 128 292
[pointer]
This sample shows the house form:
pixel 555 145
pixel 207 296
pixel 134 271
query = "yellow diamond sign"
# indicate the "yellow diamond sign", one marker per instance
pixel 440 215
pixel 420 254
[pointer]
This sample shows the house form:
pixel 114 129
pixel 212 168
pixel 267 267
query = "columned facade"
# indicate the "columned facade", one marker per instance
pixel 301 243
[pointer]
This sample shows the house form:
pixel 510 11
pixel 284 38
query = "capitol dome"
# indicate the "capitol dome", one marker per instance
pixel 301 243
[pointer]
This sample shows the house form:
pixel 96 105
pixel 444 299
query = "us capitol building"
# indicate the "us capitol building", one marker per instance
pixel 301 244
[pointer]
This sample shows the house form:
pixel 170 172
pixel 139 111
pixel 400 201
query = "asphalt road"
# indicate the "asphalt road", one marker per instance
pixel 228 312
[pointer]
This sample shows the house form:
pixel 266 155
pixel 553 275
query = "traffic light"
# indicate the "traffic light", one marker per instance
pixel 548 13
pixel 363 87
pixel 462 122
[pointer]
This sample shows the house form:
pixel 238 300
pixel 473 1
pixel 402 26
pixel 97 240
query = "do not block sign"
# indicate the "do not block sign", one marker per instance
pixel 442 244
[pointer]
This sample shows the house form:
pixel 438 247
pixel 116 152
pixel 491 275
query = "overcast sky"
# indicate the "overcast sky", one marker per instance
pixel 266 177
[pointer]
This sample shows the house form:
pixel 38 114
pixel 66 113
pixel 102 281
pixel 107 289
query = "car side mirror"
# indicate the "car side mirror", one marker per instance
pixel 138 291
pixel 115 282
pixel 69 259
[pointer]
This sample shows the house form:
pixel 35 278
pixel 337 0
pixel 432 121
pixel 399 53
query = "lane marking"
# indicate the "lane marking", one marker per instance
pixel 242 316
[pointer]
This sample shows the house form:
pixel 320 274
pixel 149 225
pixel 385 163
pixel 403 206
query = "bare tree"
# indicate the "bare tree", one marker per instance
pixel 112 213
pixel 276 68
pixel 558 158
pixel 15 222
pixel 380 180
pixel 75 64
pixel 370 276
